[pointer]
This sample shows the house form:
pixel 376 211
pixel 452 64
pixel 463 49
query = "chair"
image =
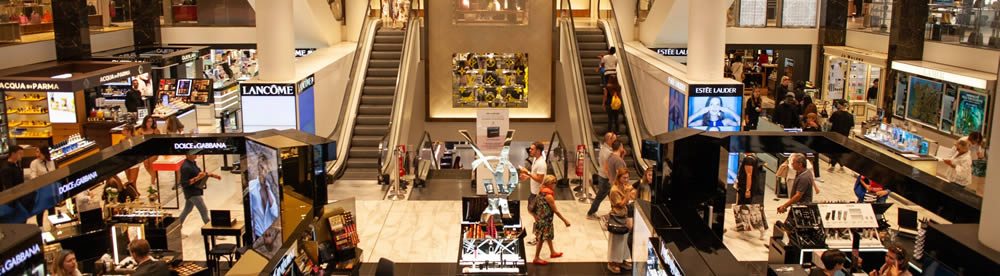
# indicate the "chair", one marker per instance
pixel 218 251
pixel 384 268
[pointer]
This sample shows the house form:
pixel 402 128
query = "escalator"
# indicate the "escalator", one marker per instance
pixel 375 109
pixel 592 42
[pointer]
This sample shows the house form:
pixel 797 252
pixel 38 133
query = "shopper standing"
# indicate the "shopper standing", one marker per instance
pixel 737 69
pixel 807 106
pixel 42 164
pixel 812 122
pixel 139 250
pixel 537 173
pixel 148 127
pixel 750 182
pixel 11 175
pixel 784 87
pixel 65 264
pixel 194 188
pixel 803 188
pixel 609 66
pixel 961 164
pixel 621 196
pixel 603 185
pixel 613 104
pixel 754 107
pixel 841 122
pixel 644 186
pixel 786 114
pixel 132 173
pixel 873 93
pixel 545 208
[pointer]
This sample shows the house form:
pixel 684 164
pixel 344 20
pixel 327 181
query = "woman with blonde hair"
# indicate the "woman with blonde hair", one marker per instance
pixel 544 209
pixel 65 264
pixel 622 195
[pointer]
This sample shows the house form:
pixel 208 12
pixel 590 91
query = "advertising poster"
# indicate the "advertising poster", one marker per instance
pixel 971 112
pixel 143 83
pixel 498 80
pixel 715 107
pixel 948 108
pixel 263 195
pixel 676 112
pixel 902 82
pixel 62 107
pixel 750 217
pixel 924 101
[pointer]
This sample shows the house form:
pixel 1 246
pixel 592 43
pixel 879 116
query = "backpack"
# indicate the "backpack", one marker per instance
pixel 616 102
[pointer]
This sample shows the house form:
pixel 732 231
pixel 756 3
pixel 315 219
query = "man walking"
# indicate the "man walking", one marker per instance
pixel 603 187
pixel 612 163
pixel 537 173
pixel 803 187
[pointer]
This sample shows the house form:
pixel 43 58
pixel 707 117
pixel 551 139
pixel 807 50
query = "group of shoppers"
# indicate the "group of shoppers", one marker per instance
pixel 795 106
pixel 835 262
pixel 64 264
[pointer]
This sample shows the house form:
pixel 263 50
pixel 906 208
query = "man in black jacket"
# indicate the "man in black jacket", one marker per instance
pixel 786 114
pixel 139 249
pixel 841 122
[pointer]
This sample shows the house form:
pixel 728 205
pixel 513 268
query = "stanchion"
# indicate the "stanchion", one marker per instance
pixel 394 194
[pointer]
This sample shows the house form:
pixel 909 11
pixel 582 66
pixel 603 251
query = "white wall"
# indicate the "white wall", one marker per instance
pixel 666 24
pixel 30 53
pixel 331 67
pixel 315 26
pixel 962 56
pixel 653 92
pixel 215 35
pixel 780 36
pixel 354 13
pixel 625 14
pixel 868 41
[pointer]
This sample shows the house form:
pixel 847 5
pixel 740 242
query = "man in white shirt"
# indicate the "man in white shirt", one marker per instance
pixel 603 186
pixel 537 172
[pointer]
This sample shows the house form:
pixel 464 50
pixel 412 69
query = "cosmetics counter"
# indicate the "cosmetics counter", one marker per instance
pixel 47 103
pixel 491 246
pixel 815 228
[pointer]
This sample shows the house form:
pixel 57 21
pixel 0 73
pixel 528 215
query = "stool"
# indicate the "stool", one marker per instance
pixel 227 250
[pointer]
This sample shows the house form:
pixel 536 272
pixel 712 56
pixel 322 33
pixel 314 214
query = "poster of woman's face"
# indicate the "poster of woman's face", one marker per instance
pixel 715 113
pixel 263 197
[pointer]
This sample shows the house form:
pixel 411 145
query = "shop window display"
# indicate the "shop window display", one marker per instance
pixel 490 80
pixel 971 22
pixel 870 16
pixel 773 13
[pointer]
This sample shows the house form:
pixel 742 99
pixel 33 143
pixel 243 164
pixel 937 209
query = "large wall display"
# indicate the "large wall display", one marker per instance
pixel 676 111
pixel 263 195
pixel 268 105
pixel 753 13
pixel 924 101
pixel 971 112
pixel 798 13
pixel 62 107
pixel 490 80
pixel 715 107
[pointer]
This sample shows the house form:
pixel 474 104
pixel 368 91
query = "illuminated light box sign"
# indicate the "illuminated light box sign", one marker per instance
pixel 268 106
pixel 715 107
pixel 199 146
pixel 77 183
pixel 22 250
pixel 33 86
pixel 671 52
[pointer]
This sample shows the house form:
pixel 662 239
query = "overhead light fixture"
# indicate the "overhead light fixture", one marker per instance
pixel 62 76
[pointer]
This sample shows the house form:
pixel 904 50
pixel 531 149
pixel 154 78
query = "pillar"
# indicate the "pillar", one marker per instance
pixel 354 15
pixel 832 32
pixel 706 39
pixel 72 31
pixel 146 22
pixel 989 225
pixel 275 41
pixel 906 40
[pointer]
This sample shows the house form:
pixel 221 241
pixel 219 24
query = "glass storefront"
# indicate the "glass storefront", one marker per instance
pixel 855 75
pixel 974 23
pixel 870 16
pixel 773 13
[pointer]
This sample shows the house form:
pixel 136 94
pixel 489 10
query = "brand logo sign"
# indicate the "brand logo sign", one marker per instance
pixel 676 84
pixel 200 146
pixel 306 83
pixel 257 89
pixel 189 57
pixel 671 52
pixel 17 85
pixel 301 52
pixel 716 90
pixel 111 77
pixel 19 258
pixel 69 186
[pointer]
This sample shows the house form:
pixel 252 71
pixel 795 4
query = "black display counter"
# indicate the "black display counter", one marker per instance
pixel 955 249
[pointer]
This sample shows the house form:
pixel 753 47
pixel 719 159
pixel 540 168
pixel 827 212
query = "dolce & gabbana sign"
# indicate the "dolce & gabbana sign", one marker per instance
pixel 200 146
pixel 715 90
pixel 267 89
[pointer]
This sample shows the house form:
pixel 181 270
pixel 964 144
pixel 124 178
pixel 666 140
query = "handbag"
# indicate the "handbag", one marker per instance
pixel 618 225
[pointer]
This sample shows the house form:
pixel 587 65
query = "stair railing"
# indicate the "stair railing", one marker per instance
pixel 407 66
pixel 586 131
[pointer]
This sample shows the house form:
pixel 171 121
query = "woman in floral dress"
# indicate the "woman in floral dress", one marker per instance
pixel 545 208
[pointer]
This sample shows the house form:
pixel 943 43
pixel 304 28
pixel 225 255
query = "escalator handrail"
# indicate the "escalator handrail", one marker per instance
pixel 354 64
pixel 633 118
pixel 562 149
pixel 582 103
pixel 425 139
pixel 402 79
pixel 348 118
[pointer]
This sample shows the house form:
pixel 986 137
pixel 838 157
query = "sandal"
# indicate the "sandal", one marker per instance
pixel 556 255
pixel 626 266
pixel 614 268
pixel 539 262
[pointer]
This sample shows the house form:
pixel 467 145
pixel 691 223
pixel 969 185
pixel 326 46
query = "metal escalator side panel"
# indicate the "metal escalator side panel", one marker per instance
pixel 353 101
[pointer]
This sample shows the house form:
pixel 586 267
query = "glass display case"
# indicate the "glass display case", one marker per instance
pixel 491 247
pixel 23 17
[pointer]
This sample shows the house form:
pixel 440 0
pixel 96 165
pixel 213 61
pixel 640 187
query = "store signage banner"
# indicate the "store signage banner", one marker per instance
pixel 15 257
pixel 491 129
pixel 200 145
pixel 671 52
pixel 306 83
pixel 716 90
pixel 44 86
pixel 74 183
pixel 267 89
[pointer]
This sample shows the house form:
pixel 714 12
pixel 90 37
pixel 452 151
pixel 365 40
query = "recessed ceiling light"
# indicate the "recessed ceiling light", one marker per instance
pixel 62 76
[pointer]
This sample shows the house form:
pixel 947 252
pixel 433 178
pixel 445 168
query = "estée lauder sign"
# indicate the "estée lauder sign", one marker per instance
pixel 267 89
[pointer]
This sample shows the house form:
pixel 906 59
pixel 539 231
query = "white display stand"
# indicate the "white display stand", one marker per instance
pixel 491 130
